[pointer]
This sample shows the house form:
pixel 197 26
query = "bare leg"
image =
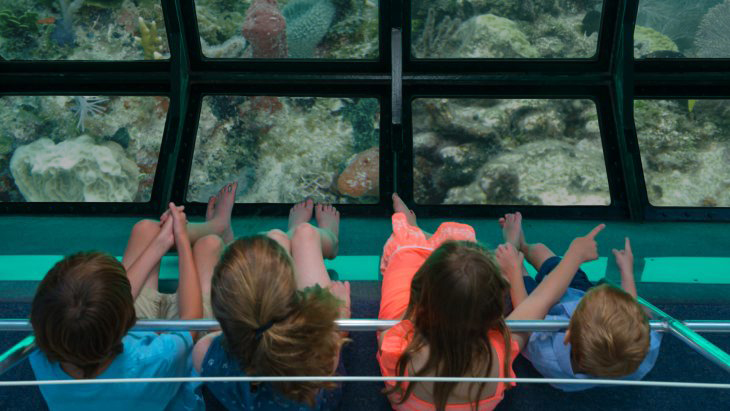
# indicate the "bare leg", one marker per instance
pixel 217 216
pixel 328 224
pixel 143 234
pixel 307 242
pixel 536 254
pixel 280 237
pixel 206 253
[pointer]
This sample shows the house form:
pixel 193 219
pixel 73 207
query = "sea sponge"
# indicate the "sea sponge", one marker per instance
pixel 361 178
pixel 307 22
pixel 265 29
pixel 74 171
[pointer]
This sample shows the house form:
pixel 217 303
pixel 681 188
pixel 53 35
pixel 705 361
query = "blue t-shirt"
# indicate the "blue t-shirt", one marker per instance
pixel 243 396
pixel 551 356
pixel 145 355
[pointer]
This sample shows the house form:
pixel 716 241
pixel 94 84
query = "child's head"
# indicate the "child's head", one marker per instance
pixel 457 297
pixel 269 326
pixel 608 333
pixel 82 310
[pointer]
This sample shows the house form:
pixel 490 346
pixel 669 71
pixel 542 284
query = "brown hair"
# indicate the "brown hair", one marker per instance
pixel 609 333
pixel 82 309
pixel 269 327
pixel 457 297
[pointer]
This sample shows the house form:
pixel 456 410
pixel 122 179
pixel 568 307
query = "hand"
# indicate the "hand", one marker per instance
pixel 625 258
pixel 341 290
pixel 179 223
pixel 585 248
pixel 510 260
pixel 166 214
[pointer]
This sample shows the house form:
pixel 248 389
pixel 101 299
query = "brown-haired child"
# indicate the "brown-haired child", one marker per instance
pixel 449 293
pixel 609 334
pixel 84 307
pixel 276 306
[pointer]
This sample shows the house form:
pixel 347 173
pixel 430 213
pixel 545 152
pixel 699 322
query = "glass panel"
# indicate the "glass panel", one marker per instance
pixel 685 151
pixel 500 151
pixel 505 29
pixel 682 29
pixel 82 30
pixel 302 29
pixel 80 148
pixel 283 149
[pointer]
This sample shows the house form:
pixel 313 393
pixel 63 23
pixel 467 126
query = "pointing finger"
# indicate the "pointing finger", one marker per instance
pixel 592 235
pixel 627 245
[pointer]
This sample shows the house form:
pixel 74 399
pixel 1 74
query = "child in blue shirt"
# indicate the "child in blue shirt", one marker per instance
pixel 608 335
pixel 86 304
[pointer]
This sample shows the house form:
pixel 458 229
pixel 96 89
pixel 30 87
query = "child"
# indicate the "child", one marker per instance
pixel 269 294
pixel 609 334
pixel 81 315
pixel 449 293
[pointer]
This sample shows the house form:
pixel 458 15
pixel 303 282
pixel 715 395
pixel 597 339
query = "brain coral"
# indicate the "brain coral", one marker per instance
pixel 74 171
pixel 307 22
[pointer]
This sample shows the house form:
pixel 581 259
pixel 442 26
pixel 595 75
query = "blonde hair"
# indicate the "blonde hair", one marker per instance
pixel 609 333
pixel 457 297
pixel 270 328
pixel 82 309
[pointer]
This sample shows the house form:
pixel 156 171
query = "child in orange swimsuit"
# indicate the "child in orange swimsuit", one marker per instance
pixel 448 292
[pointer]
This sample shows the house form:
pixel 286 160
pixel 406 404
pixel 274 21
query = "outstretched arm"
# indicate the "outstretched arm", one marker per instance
pixel 537 304
pixel 190 301
pixel 625 263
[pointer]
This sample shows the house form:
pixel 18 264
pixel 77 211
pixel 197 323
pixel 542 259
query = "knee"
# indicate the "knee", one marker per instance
pixel 305 233
pixel 280 237
pixel 146 228
pixel 209 244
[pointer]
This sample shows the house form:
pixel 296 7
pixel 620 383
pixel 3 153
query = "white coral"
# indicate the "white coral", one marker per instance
pixel 74 171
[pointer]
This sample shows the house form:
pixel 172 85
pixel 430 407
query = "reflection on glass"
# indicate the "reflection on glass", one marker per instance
pixel 79 148
pixel 682 29
pixel 499 151
pixel 505 29
pixel 284 149
pixel 685 151
pixel 302 29
pixel 82 30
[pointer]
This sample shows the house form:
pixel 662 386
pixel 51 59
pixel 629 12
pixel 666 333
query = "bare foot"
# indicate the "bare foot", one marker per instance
pixel 400 207
pixel 512 230
pixel 328 221
pixel 218 213
pixel 300 213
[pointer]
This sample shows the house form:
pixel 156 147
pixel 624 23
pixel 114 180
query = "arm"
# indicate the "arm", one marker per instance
pixel 537 304
pixel 625 263
pixel 141 268
pixel 511 264
pixel 201 348
pixel 190 301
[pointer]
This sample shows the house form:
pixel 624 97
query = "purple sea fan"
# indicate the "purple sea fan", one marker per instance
pixel 87 107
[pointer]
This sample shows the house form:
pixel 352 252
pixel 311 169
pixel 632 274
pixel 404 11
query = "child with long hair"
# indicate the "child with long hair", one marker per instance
pixel 276 306
pixel 449 292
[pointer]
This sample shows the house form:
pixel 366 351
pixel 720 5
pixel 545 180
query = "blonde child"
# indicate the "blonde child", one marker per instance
pixel 449 293
pixel 276 306
pixel 608 336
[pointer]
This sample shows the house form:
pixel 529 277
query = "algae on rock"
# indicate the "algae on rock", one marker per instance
pixel 74 171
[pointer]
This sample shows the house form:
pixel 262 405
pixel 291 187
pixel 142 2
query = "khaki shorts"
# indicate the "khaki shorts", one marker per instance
pixel 154 304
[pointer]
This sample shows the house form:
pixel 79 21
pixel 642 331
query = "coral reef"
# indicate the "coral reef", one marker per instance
pixel 74 171
pixel 713 35
pixel 149 40
pixel 491 36
pixel 676 19
pixel 361 177
pixel 434 37
pixel 265 29
pixel 648 40
pixel 307 22
pixel 231 48
pixel 86 107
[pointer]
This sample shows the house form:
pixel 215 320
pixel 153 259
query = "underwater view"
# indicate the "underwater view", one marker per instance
pixel 682 29
pixel 284 149
pixel 303 29
pixel 508 151
pixel 80 148
pixel 82 30
pixel 505 29
pixel 685 151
